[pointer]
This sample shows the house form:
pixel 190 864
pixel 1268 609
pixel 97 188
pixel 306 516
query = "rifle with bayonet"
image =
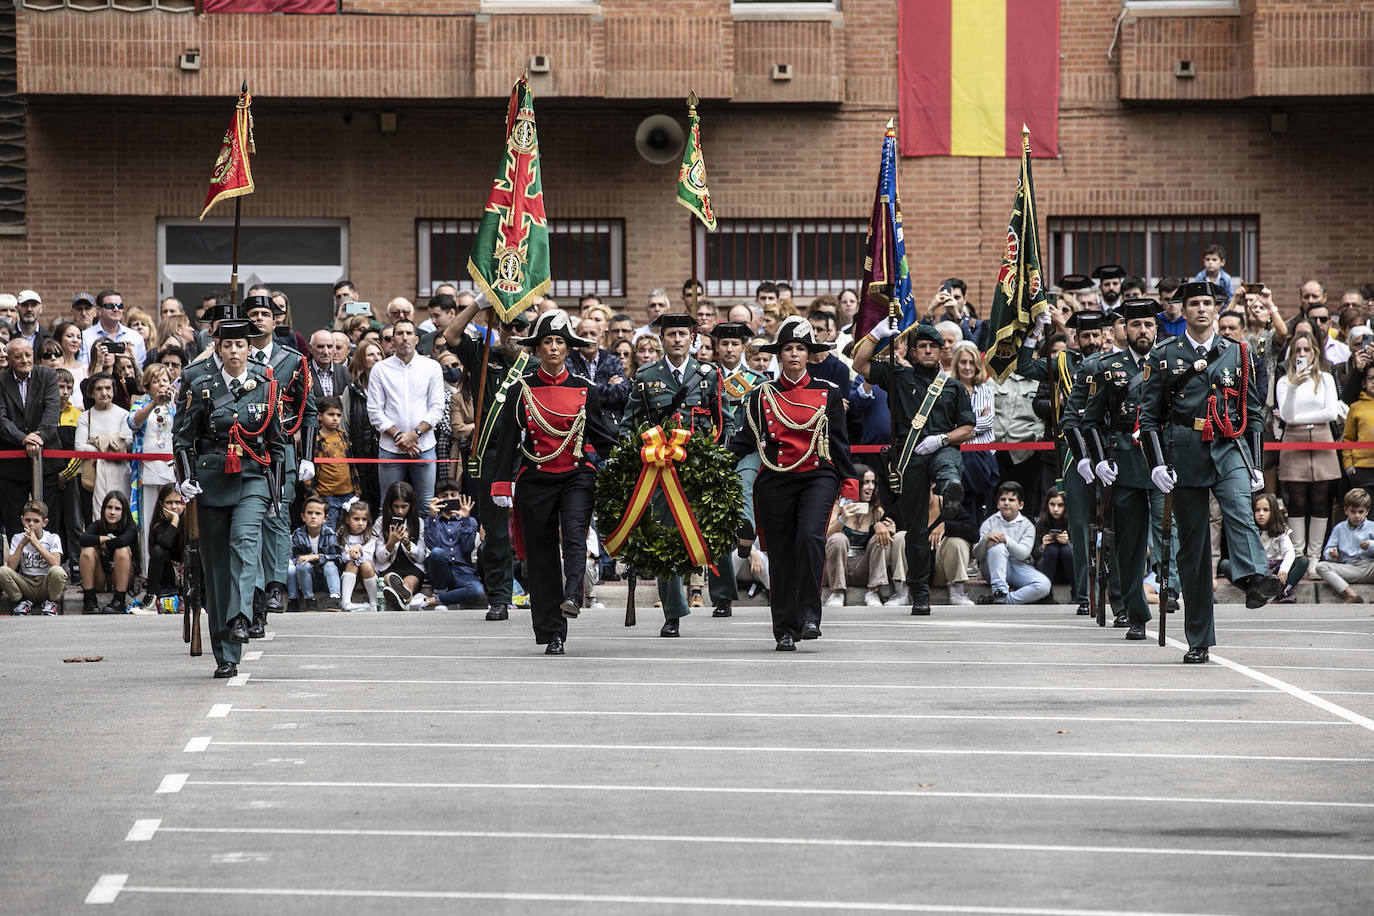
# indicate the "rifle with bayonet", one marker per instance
pixel 192 578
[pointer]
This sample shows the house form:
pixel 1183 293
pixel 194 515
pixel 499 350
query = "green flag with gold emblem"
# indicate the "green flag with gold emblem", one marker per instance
pixel 1020 294
pixel 691 178
pixel 509 261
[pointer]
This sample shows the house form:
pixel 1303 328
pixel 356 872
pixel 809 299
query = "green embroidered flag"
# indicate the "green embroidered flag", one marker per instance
pixel 510 256
pixel 1020 294
pixel 691 178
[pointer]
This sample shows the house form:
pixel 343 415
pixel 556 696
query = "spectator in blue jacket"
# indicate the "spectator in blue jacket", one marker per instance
pixel 451 536
pixel 314 549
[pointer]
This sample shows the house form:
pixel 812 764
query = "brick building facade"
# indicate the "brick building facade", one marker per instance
pixel 1265 145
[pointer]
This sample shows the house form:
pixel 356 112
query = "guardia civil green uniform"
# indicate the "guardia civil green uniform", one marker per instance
pixel 226 442
pixel 1064 370
pixel 693 397
pixel 925 402
pixel 1201 417
pixel 1110 426
pixel 297 415
pixel 736 384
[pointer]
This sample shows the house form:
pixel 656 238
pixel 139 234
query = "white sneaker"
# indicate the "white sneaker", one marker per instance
pixel 871 599
pixel 958 595
pixel 900 596
pixel 49 609
pixel 836 599
pixel 22 609
pixel 145 610
pixel 418 603
pixel 439 607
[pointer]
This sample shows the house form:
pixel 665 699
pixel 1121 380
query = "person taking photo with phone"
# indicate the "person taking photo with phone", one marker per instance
pixel 1307 405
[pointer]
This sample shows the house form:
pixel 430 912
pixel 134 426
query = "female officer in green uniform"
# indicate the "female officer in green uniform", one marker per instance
pixel 229 451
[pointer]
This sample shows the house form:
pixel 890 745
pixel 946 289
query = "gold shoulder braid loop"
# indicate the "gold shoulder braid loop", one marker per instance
pixel 817 424
pixel 572 438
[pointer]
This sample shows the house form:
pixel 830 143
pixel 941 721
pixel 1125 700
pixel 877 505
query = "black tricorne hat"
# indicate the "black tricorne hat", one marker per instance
pixel 262 302
pixel 732 329
pixel 1072 283
pixel 553 323
pixel 1138 307
pixel 1088 320
pixel 796 329
pixel 1195 288
pixel 1109 272
pixel 673 320
pixel 236 329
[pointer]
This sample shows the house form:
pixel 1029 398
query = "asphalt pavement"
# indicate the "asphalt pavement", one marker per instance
pixel 1000 760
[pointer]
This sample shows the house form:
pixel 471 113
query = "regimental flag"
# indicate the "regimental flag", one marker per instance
pixel 509 261
pixel 973 71
pixel 691 178
pixel 886 284
pixel 1020 294
pixel 232 175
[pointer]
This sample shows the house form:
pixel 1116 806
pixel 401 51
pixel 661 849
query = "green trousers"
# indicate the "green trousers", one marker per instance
pixel 922 473
pixel 232 553
pixel 1192 512
pixel 1078 504
pixel 1129 506
pixel 276 539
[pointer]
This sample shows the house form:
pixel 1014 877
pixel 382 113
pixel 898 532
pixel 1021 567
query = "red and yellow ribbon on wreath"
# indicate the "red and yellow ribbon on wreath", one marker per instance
pixel 661 452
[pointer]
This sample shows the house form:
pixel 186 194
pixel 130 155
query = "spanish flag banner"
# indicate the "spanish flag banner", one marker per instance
pixel 692 192
pixel 232 175
pixel 972 72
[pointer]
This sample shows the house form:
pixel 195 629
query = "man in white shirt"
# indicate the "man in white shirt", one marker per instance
pixel 405 400
pixel 109 312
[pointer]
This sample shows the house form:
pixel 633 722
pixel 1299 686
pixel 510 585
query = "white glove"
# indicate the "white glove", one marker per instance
pixel 305 472
pixel 1163 478
pixel 1105 472
pixel 1085 470
pixel 883 329
pixel 189 490
pixel 501 501
pixel 1256 481
pixel 1042 321
pixel 930 444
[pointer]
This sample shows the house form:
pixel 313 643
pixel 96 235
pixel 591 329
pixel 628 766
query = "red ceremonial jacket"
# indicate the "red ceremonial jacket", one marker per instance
pixel 773 409
pixel 547 410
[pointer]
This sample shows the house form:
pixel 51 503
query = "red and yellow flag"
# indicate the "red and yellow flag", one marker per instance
pixel 973 72
pixel 232 175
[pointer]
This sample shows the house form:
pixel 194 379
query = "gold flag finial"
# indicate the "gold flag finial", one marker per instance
pixel 692 99
pixel 891 123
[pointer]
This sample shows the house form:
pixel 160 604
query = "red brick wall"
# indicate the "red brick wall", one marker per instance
pixel 103 171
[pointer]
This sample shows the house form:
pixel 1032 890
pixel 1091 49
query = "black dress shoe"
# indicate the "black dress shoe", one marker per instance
pixel 920 607
pixel 951 498
pixel 722 610
pixel 498 612
pixel 811 630
pixel 555 647
pixel 1261 589
pixel 1195 656
pixel 238 630
pixel 259 627
pixel 226 670
pixel 669 628
pixel 786 643
pixel 273 602
pixel 1137 631
pixel 1084 610
pixel 1121 622
pixel 570 607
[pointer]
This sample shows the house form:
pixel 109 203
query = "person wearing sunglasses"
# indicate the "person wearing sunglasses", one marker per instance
pixel 109 325
pixel 1336 350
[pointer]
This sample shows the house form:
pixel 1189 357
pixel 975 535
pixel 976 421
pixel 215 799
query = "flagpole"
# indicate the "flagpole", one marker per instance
pixel 481 388
pixel 238 215
pixel 692 270
pixel 892 313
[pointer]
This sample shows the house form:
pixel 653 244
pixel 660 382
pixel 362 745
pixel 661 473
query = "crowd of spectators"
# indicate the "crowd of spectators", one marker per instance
pixel 102 377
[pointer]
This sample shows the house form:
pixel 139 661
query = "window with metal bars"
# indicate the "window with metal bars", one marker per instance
pixel 814 255
pixel 585 255
pixel 1151 247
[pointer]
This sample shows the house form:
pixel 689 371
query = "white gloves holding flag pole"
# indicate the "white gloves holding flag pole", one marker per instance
pixel 884 329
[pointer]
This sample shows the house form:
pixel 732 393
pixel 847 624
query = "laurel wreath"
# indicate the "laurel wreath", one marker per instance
pixel 654 548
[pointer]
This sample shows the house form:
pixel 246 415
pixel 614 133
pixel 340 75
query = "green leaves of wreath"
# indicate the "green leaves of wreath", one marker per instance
pixel 654 548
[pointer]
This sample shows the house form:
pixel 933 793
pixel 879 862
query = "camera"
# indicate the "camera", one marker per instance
pixel 358 308
pixel 450 505
pixel 115 346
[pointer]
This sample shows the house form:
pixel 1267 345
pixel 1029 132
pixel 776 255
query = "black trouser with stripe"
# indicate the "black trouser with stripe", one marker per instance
pixel 555 512
pixel 792 511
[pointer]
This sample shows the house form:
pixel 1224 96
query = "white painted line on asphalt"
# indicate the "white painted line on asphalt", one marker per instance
pixel 539 659
pixel 252 656
pixel 774 790
pixel 172 782
pixel 196 745
pixel 1347 693
pixel 107 888
pixel 219 710
pixel 737 685
pixel 1293 691
pixel 268 636
pixel 1307 668
pixel 784 749
pixel 769 841
pixel 1247 648
pixel 691 714
pixel 143 830
pixel 649 901
pixel 239 680
pixel 1287 630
